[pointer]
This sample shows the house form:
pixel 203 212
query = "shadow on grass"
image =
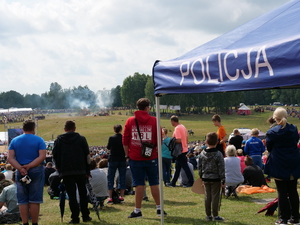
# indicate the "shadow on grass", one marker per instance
pixel 177 203
pixel 243 198
pixel 101 221
pixel 149 204
pixel 196 221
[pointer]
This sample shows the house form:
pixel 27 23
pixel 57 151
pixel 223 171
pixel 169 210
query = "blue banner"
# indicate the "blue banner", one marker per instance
pixel 263 53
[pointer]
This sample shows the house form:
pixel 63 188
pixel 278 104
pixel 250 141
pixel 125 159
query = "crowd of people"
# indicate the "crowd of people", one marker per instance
pixel 130 160
pixel 13 117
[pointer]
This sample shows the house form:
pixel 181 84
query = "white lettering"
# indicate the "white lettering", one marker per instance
pixel 237 73
pixel 208 74
pixel 187 72
pixel 220 67
pixel 249 66
pixel 266 63
pixel 202 69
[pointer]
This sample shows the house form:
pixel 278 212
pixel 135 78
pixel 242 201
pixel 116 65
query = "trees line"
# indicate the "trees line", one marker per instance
pixel 137 86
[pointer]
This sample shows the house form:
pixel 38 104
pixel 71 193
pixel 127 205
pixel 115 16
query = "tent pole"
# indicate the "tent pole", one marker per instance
pixel 160 173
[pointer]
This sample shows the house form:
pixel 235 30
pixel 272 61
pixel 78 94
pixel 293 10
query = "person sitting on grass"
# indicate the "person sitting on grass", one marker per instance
pixel 192 159
pixel 9 210
pixel 212 171
pixel 253 174
pixel 4 182
pixel 103 164
pixel 9 171
pixel 233 173
pixel 98 181
pixel 240 155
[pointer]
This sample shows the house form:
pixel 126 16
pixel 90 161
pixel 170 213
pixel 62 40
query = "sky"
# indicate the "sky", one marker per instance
pixel 100 43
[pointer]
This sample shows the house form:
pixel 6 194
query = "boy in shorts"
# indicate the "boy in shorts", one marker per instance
pixel 140 166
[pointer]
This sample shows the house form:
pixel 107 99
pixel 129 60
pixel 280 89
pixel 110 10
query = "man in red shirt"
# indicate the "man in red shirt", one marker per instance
pixel 142 167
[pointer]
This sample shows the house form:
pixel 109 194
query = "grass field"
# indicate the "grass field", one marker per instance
pixel 182 205
pixel 98 129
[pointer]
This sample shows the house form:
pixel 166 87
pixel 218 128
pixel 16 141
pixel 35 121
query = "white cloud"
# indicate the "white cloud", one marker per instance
pixel 100 43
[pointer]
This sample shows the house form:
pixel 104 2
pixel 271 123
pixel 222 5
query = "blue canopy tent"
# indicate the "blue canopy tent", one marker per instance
pixel 263 53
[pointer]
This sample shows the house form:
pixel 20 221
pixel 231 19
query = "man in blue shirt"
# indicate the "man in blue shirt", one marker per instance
pixel 255 148
pixel 26 153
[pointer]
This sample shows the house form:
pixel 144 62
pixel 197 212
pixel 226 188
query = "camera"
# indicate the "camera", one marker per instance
pixel 26 179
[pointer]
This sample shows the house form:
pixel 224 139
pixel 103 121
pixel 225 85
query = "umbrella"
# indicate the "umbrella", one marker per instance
pixel 62 200
pixel 93 198
pixel 270 207
pixel 220 200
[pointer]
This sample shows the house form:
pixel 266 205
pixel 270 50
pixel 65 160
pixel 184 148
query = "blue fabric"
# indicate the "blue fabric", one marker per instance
pixel 166 165
pixel 284 157
pixel 193 161
pixel 26 147
pixel 257 160
pixel 143 169
pixel 166 153
pixel 262 53
pixel 32 192
pixel 254 146
pixel 112 168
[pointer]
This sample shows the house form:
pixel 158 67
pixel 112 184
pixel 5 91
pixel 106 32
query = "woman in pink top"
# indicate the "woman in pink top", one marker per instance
pixel 239 154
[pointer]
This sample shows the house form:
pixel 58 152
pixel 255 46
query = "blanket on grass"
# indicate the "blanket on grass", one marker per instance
pixel 247 189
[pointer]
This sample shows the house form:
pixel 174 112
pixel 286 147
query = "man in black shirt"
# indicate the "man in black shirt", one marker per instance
pixel 236 140
pixel 116 161
pixel 253 175
pixel 72 160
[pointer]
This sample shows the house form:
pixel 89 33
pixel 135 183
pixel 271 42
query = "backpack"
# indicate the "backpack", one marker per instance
pixel 175 148
pixel 172 144
pixel 115 197
pixel 9 218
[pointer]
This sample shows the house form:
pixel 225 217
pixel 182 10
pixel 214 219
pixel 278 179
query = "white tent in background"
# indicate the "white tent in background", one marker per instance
pixel 19 109
pixel 244 110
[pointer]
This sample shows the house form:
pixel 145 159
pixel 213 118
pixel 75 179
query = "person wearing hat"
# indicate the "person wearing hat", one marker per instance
pixel 255 148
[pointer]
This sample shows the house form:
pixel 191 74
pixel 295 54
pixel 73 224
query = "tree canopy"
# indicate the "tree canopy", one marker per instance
pixel 138 86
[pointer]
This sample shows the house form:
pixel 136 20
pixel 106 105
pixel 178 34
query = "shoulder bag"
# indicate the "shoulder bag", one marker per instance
pixel 147 147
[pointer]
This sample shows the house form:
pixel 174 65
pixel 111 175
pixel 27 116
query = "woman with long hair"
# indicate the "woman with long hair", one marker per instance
pixel 283 164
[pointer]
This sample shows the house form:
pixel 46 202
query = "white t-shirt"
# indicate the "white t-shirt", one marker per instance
pixel 98 182
pixel 233 175
pixel 8 174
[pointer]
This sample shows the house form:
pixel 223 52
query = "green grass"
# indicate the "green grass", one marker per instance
pixel 98 129
pixel 182 205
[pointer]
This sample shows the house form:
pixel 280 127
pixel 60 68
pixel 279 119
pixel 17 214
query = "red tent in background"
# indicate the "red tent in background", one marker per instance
pixel 244 110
